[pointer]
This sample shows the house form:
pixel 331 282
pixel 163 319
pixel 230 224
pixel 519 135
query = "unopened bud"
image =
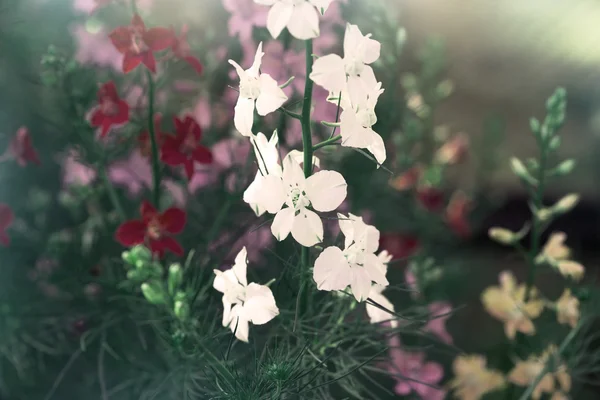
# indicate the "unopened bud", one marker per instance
pixel 544 214
pixel 554 143
pixel 534 124
pixel 154 292
pixel 519 170
pixel 175 277
pixel 565 167
pixel 181 309
pixel 502 236
pixel 566 204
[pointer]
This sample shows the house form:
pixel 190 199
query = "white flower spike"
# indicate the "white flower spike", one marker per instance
pixel 258 91
pixel 323 191
pixel 299 16
pixel 376 314
pixel 357 265
pixel 242 302
pixel 332 72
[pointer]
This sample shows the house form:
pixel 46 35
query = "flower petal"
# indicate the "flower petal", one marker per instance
pixel 322 5
pixel 266 192
pixel 360 282
pixel 283 223
pixel 271 96
pixel 130 62
pixel 121 38
pixel 260 306
pixel 6 216
pixel 326 190
pixel 240 266
pixel 158 39
pixel 168 243
pixel 147 210
pixel 131 233
pixel 329 73
pixel 173 220
pixel 202 155
pixel 244 116
pixel 307 228
pixel 279 17
pixel 292 173
pixel 304 22
pixel 331 271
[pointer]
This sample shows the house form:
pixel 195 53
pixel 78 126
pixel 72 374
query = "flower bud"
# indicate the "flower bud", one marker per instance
pixel 566 204
pixel 565 167
pixel 534 124
pixel 544 214
pixel 175 277
pixel 502 236
pixel 154 292
pixel 519 170
pixel 181 309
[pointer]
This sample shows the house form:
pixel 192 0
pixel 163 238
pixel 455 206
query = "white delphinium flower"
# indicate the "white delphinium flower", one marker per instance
pixel 357 265
pixel 299 16
pixel 376 314
pixel 323 191
pixel 242 302
pixel 358 116
pixel 332 72
pixel 258 91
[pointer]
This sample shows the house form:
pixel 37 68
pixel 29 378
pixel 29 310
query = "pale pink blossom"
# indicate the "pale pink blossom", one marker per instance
pixel 133 173
pixel 245 15
pixel 75 172
pixel 439 312
pixel 282 64
pixel 96 49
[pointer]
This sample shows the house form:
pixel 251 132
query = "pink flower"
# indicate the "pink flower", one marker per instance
pixel 282 65
pixel 413 374
pixel 95 49
pixel 76 173
pixel 245 15
pixel 440 312
pixel 202 113
pixel 134 173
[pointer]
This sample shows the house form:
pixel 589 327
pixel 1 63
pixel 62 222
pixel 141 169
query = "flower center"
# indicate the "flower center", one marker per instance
pixel 138 45
pixel 366 117
pixel 354 67
pixel 154 229
pixel 189 143
pixel 250 88
pixel 298 199
pixel 109 107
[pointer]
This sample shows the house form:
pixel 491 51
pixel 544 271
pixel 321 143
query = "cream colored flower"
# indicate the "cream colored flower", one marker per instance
pixel 526 372
pixel 506 303
pixel 567 309
pixel 557 254
pixel 472 379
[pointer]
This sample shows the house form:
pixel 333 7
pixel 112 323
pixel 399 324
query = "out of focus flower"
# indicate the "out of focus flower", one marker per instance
pixel 181 49
pixel 138 44
pixel 242 302
pixel 453 151
pixel 6 219
pixel 430 198
pixel 282 64
pixel 557 255
pixel 300 17
pixel 507 303
pixel 472 378
pixel 76 173
pixel 323 191
pixel 154 230
pixel 376 314
pixel 408 179
pixel 333 72
pixel 457 213
pixel 527 371
pixel 567 309
pixel 357 265
pixel 111 110
pixel 144 140
pixel 95 48
pixel 399 245
pixel 439 314
pixel 413 374
pixel 21 149
pixel 134 173
pixel 184 148
pixel 258 91
pixel 245 15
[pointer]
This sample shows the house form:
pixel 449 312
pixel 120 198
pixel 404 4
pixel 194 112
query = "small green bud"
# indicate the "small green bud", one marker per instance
pixel 564 168
pixel 519 170
pixel 445 88
pixel 400 38
pixel 534 124
pixel 175 278
pixel 154 292
pixel 137 275
pixel 409 82
pixel 554 143
pixel 566 204
pixel 506 236
pixel 181 310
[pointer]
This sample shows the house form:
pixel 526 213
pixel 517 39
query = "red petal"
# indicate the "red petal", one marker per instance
pixel 123 115
pixel 172 156
pixel 149 61
pixel 106 124
pixel 121 38
pixel 193 126
pixel 167 243
pixel 157 248
pixel 131 233
pixel 4 239
pixel 159 39
pixel 130 62
pixel 32 156
pixel 189 168
pixel 138 23
pixel 195 63
pixel 147 210
pixel 109 89
pixel 179 125
pixel 97 117
pixel 6 216
pixel 173 220
pixel 202 155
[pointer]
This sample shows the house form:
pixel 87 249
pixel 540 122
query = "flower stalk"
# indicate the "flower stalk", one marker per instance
pixel 156 173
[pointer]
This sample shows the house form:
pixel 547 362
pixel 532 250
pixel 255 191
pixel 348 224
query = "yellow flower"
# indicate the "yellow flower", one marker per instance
pixel 526 372
pixel 506 303
pixel 557 255
pixel 472 379
pixel 567 309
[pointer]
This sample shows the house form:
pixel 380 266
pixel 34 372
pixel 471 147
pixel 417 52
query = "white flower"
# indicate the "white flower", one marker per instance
pixel 256 90
pixel 358 116
pixel 323 191
pixel 376 314
pixel 243 303
pixel 299 16
pixel 356 265
pixel 332 72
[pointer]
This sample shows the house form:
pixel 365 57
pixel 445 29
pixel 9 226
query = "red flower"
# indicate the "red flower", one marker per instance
pixel 431 198
pixel 21 148
pixel 181 49
pixel 453 151
pixel 153 230
pixel 408 179
pixel 456 214
pixel 144 142
pixel 138 44
pixel 111 110
pixel 398 245
pixel 184 148
pixel 6 219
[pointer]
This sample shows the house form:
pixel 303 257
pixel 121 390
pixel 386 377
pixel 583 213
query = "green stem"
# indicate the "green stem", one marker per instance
pixel 155 158
pixel 327 142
